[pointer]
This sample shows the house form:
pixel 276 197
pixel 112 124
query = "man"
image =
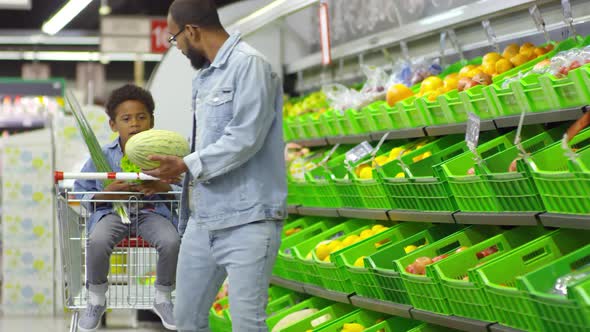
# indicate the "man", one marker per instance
pixel 239 197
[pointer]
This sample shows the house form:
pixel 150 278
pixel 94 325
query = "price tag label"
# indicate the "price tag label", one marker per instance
pixel 405 51
pixel 443 41
pixel 568 16
pixel 490 34
pixel 358 152
pixel 539 21
pixel 456 45
pixel 472 132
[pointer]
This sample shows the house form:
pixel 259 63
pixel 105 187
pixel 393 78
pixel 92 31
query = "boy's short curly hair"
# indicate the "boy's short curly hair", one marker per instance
pixel 129 92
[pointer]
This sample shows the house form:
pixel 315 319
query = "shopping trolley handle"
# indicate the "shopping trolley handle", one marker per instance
pixel 59 176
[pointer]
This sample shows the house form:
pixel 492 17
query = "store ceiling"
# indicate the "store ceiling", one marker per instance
pixel 89 18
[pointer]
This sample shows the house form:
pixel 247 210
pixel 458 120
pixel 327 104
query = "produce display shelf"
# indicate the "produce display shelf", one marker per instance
pixel 455 128
pixel 18 122
pixel 468 218
pixel 395 309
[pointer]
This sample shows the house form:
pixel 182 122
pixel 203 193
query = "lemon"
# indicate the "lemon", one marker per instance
pixel 400 175
pixel 366 233
pixel 351 239
pixel 353 327
pixel 463 72
pixel 395 152
pixel 491 57
pixel 322 251
pixel 381 160
pixel 334 244
pixel 410 248
pixel 360 262
pixel 366 173
pixel 431 83
pixel 503 65
pixel 361 168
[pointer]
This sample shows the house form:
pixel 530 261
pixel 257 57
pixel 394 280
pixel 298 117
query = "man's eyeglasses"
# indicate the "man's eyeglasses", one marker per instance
pixel 172 39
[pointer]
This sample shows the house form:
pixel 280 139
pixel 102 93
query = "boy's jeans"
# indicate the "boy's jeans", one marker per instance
pixel 246 254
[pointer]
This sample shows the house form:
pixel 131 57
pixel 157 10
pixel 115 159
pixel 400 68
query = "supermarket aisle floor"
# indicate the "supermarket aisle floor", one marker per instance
pixel 60 324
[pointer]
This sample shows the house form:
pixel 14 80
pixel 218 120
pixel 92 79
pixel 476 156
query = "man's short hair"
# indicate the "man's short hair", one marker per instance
pixel 202 13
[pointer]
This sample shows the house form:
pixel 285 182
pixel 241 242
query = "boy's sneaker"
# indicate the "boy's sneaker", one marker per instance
pixel 90 318
pixel 165 311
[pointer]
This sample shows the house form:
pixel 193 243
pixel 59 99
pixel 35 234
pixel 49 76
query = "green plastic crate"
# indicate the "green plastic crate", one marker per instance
pixel 359 279
pixel 364 121
pixel 556 312
pixel 516 191
pixel 366 318
pixel 467 298
pixel 563 189
pixel 285 265
pixel 424 290
pixel 302 223
pixel 323 190
pixel 303 269
pixel 332 274
pixel 473 192
pixel 326 316
pixel 388 285
pixel 311 303
pixel 475 101
pixel 421 189
pixel 511 99
pixel 283 302
pixel 408 110
pixel 293 197
pixel 581 294
pixel 446 108
pixel 220 322
pixel 380 115
pixel 513 307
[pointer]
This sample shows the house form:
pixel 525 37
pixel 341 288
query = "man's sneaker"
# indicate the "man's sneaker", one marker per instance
pixel 90 318
pixel 165 311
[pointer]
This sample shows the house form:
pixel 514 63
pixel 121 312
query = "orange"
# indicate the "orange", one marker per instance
pixel 503 66
pixel 398 92
pixel 489 68
pixel 510 51
pixel 491 57
pixel 431 83
pixel 519 59
pixel 463 72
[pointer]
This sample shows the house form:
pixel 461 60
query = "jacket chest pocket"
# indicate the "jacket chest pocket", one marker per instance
pixel 218 109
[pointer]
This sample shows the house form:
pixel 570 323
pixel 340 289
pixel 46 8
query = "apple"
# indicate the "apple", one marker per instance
pixel 420 264
pixel 411 268
pixel 438 258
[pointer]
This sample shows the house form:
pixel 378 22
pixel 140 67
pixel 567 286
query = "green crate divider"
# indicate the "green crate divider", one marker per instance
pixel 311 303
pixel 286 266
pixel 516 191
pixel 333 275
pixel 293 197
pixel 562 190
pixel 421 189
pixel 452 104
pixel 301 222
pixel 408 110
pixel 331 313
pixel 556 312
pixel 565 92
pixel 581 294
pixel 323 190
pixel 220 322
pixel 355 121
pixel 431 328
pixel 502 98
pixel 513 307
pixel 291 125
pixel 475 101
pixel 379 115
pixel 388 284
pixel 473 192
pixel 304 270
pixel 361 279
pixel 364 121
pixel 274 292
pixel 424 290
pixel 582 77
pixel 312 125
pixel 363 317
pixel 433 111
pixel 467 298
pixel 283 302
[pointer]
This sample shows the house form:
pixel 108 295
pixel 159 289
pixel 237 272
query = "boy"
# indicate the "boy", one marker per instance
pixel 130 110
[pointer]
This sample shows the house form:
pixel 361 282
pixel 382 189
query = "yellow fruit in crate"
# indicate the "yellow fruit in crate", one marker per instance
pixel 366 233
pixel 397 93
pixel 395 152
pixel 360 168
pixel 366 173
pixel 526 46
pixel 380 160
pixel 528 53
pixel 410 248
pixel 473 72
pixel 503 66
pixel 400 175
pixel 519 59
pixel 334 244
pixel 336 248
pixel 451 82
pixel 353 327
pixel 510 51
pixel 360 262
pixel 426 154
pixel 322 251
pixel 539 51
pixel 351 239
pixel 489 68
pixel 431 84
pixel 327 259
pixel 377 227
pixel 491 57
pixel 463 72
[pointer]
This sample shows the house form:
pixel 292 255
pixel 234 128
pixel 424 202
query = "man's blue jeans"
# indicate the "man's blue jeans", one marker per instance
pixel 245 254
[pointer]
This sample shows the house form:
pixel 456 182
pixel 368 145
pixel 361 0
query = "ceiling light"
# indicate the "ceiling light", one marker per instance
pixel 64 16
pixel 104 9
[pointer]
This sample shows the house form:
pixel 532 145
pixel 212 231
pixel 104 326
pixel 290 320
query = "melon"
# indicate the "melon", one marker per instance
pixel 155 142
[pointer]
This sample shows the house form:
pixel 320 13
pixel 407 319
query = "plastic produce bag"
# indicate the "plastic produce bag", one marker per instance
pixel 561 284
pixel 423 68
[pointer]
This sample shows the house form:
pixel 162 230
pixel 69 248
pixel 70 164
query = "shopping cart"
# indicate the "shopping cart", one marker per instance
pixel 133 261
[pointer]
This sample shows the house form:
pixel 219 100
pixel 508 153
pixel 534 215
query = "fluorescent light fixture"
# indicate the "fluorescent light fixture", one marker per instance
pixel 70 10
pixel 78 56
pixel 443 16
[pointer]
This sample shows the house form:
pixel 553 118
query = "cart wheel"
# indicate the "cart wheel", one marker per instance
pixel 74 322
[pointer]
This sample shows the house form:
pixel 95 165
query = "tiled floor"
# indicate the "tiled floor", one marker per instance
pixel 61 324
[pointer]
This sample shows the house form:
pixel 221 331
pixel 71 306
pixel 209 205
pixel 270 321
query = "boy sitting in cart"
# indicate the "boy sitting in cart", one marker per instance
pixel 130 110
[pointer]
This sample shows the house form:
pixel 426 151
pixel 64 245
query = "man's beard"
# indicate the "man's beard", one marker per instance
pixel 197 60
